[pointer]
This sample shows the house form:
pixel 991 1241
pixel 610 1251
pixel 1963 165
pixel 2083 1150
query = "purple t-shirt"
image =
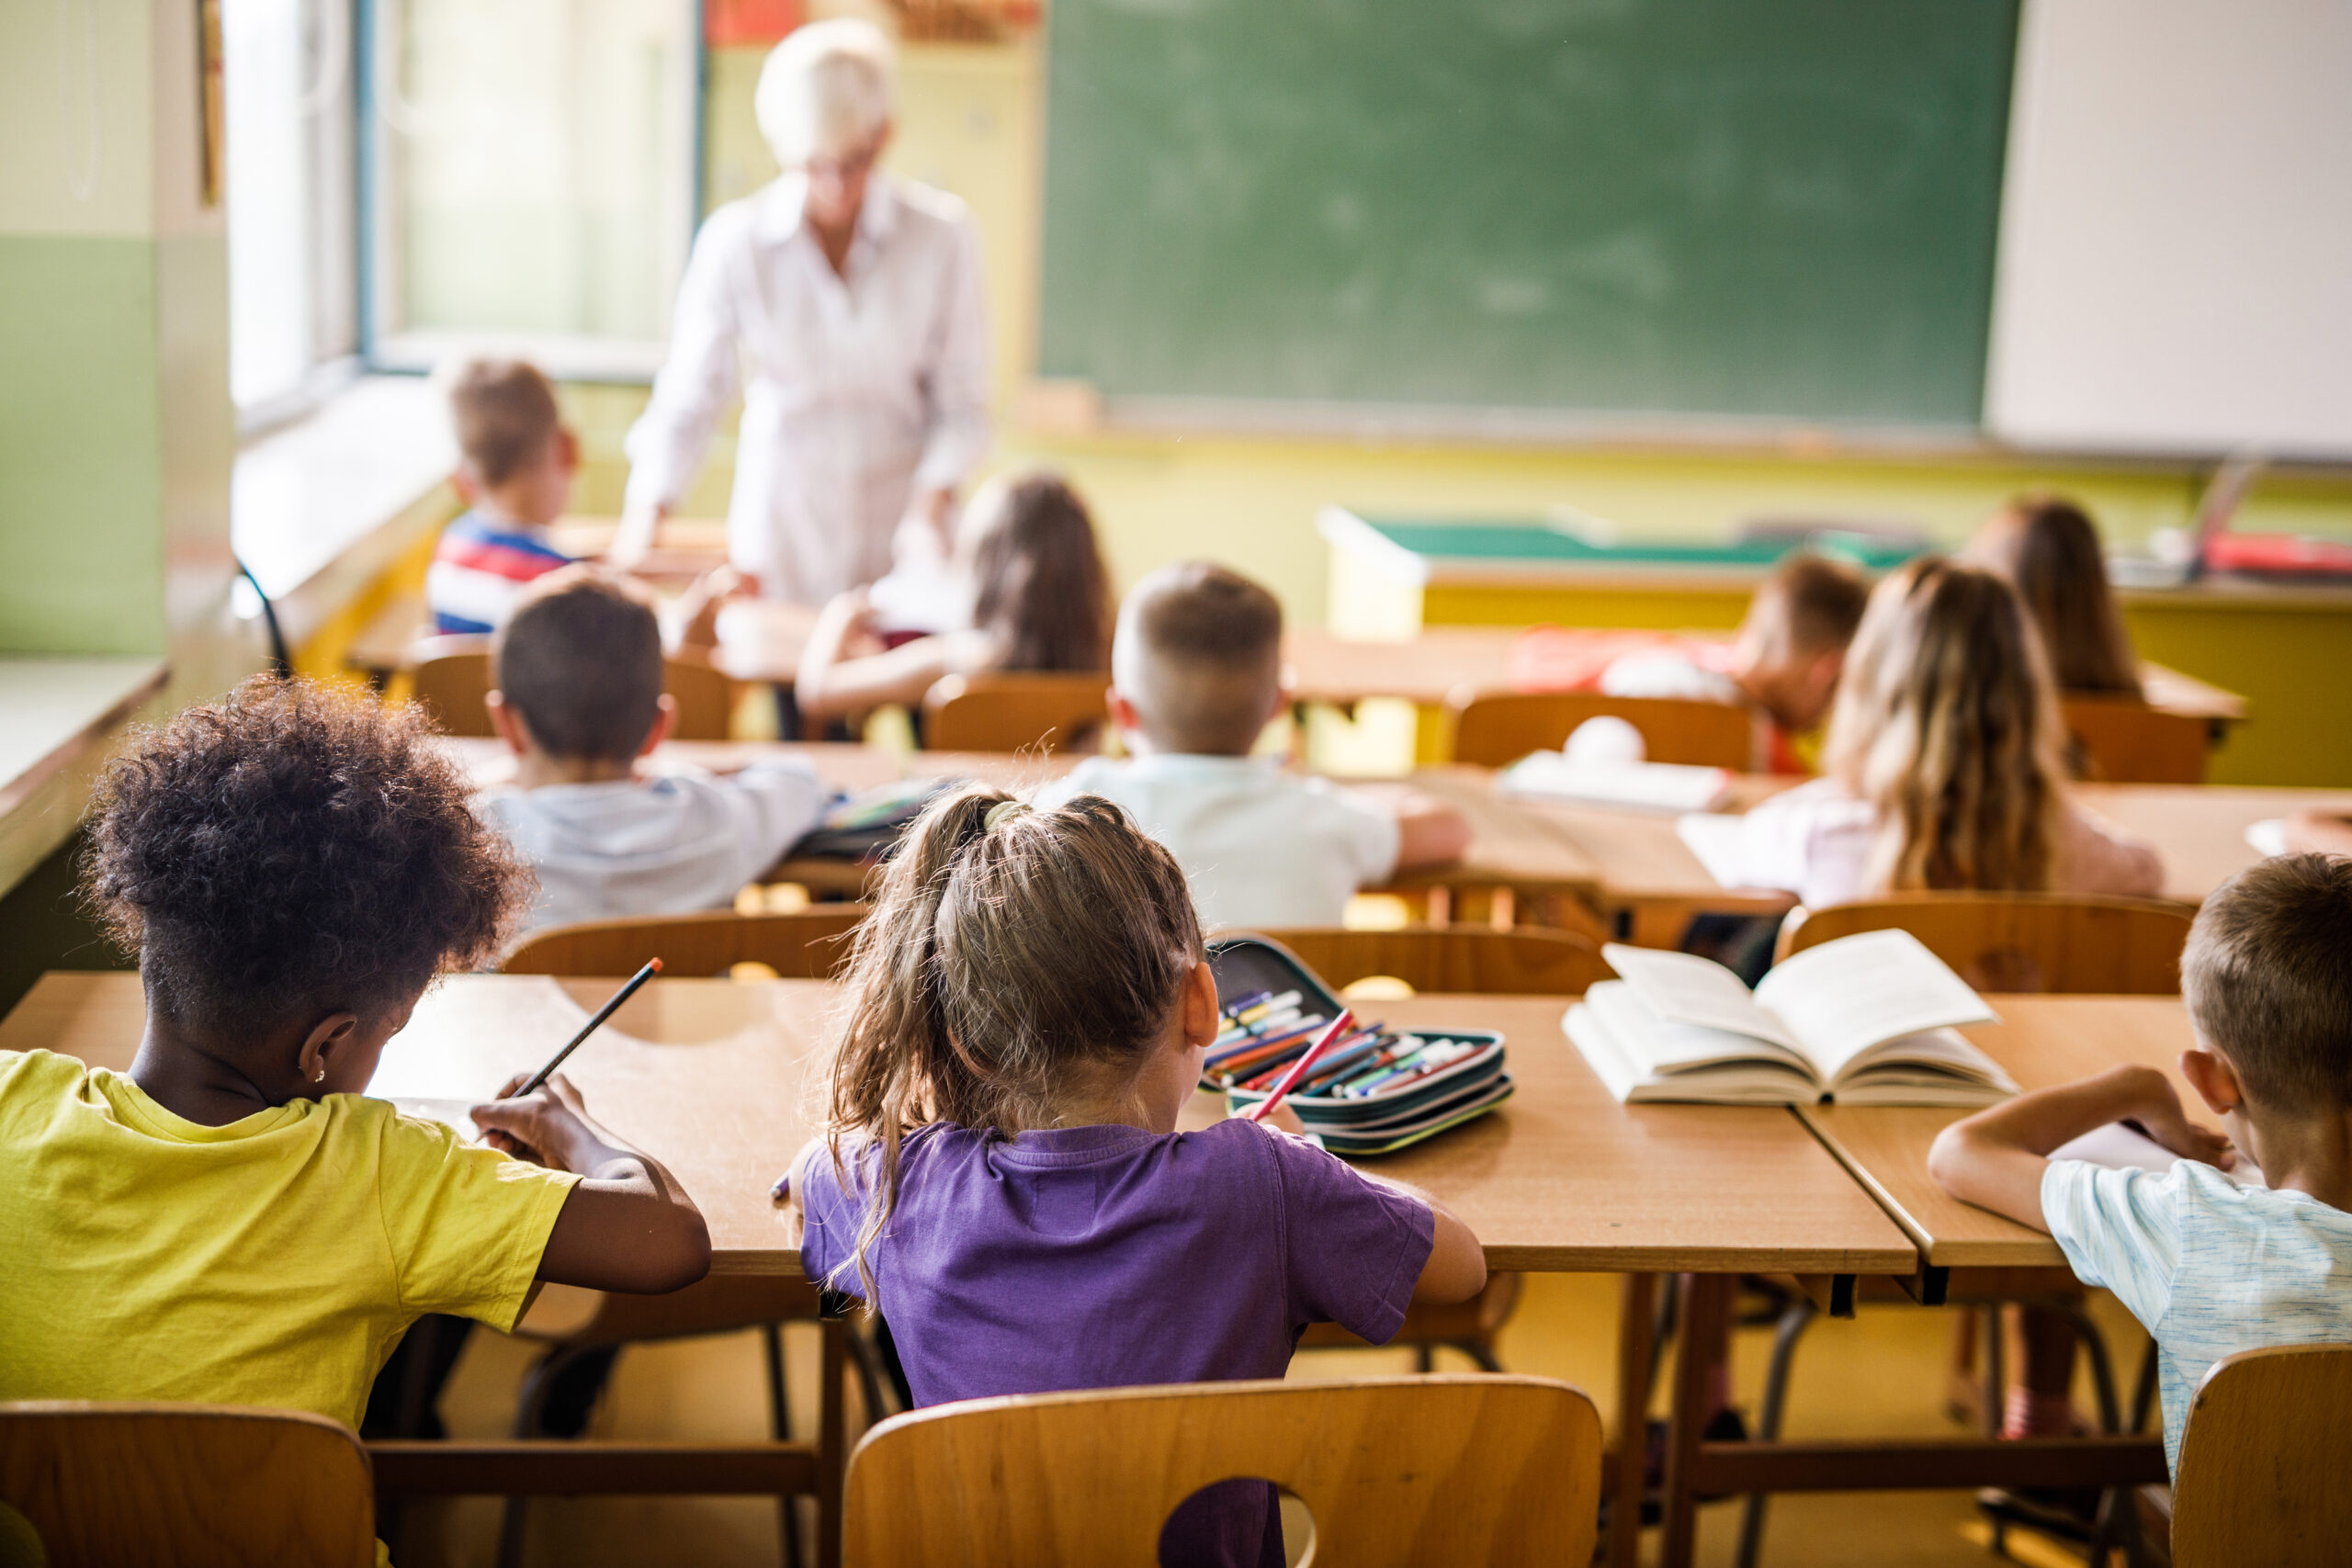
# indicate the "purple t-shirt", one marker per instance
pixel 1106 1257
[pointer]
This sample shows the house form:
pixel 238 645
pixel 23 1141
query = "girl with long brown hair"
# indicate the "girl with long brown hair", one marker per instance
pixel 1002 1178
pixel 1942 766
pixel 1036 596
pixel 2048 549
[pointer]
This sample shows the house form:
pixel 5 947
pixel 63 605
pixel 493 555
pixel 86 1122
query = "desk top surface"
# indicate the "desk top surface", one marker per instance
pixel 2043 1041
pixel 711 1077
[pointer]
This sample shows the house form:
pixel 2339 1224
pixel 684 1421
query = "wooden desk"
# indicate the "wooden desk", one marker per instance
pixel 2043 1041
pixel 1428 667
pixel 1560 1178
pixel 2200 828
pixel 758 640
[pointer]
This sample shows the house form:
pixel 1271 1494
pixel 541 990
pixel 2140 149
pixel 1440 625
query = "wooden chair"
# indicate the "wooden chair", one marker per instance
pixel 2123 741
pixel 2263 1461
pixel 1016 710
pixel 808 944
pixel 2022 942
pixel 1475 959
pixel 203 1486
pixel 451 675
pixel 1496 729
pixel 1468 1469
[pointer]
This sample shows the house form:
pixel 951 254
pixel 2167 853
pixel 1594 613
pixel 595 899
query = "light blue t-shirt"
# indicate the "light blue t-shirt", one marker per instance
pixel 2210 1267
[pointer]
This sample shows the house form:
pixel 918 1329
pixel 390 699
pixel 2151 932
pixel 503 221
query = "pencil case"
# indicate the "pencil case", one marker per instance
pixel 1384 1118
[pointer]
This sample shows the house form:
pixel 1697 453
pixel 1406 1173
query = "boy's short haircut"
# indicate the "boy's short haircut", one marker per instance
pixel 291 848
pixel 1199 653
pixel 2267 977
pixel 579 659
pixel 505 414
pixel 1817 602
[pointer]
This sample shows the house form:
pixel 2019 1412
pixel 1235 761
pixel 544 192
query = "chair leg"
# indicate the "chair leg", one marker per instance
pixel 1794 1320
pixel 864 1355
pixel 2143 1393
pixel 1424 1358
pixel 530 1411
pixel 1662 1327
pixel 780 1429
pixel 1481 1351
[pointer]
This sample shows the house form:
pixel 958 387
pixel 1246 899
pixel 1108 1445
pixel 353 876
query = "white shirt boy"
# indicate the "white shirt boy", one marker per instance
pixel 665 845
pixel 2207 1267
pixel 1262 848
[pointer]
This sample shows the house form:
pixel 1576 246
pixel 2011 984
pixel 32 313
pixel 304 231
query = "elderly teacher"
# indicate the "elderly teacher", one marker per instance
pixel 852 300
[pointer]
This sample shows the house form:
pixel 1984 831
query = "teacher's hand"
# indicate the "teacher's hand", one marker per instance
pixel 635 537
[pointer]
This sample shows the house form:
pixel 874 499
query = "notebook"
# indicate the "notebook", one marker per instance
pixel 2119 1145
pixel 1862 1021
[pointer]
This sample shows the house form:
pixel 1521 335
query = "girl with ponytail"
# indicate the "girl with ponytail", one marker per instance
pixel 1002 1176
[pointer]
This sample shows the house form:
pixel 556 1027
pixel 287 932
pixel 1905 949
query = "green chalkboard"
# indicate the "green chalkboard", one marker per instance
pixel 1778 208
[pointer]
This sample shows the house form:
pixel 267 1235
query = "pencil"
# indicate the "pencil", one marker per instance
pixel 652 967
pixel 1339 1026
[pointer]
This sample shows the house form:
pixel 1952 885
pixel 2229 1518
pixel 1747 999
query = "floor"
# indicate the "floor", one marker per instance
pixel 1880 1373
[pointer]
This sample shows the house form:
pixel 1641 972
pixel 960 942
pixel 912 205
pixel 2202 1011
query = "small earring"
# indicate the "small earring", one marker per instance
pixel 319 1077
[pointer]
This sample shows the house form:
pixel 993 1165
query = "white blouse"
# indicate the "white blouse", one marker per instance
pixel 858 392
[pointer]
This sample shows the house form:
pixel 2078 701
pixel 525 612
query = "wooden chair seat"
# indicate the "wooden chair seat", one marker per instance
pixel 1017 710
pixel 451 675
pixel 2123 740
pixel 2263 1461
pixel 805 945
pixel 1485 1470
pixel 2022 942
pixel 201 1486
pixel 1496 729
pixel 1474 959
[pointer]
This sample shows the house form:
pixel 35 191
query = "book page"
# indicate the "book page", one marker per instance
pixel 1842 997
pixel 2121 1147
pixel 1682 987
pixel 1661 1046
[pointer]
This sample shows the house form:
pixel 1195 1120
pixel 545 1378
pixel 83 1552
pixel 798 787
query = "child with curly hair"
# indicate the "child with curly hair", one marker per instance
pixel 232 1221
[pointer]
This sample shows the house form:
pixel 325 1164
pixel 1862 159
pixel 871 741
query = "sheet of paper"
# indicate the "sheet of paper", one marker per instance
pixel 1662 1045
pixel 2122 1147
pixel 2268 837
pixel 1682 987
pixel 1714 837
pixel 1845 996
pixel 1654 786
pixel 450 1113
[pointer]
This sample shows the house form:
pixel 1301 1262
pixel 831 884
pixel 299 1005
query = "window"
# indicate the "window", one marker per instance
pixel 293 328
pixel 532 166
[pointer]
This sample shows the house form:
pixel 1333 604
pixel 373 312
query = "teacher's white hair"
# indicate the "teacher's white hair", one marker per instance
pixel 827 90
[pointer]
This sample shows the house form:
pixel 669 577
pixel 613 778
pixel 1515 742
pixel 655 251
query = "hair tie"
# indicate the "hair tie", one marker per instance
pixel 999 811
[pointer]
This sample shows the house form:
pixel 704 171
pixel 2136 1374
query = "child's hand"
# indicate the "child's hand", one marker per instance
pixel 1282 1118
pixel 542 1127
pixel 2161 1118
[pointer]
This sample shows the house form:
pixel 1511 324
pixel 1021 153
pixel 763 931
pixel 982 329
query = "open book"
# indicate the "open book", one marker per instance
pixel 1650 786
pixel 1863 1020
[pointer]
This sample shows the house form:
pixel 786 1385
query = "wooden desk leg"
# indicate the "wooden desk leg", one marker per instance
pixel 832 1449
pixel 1703 1325
pixel 1637 1321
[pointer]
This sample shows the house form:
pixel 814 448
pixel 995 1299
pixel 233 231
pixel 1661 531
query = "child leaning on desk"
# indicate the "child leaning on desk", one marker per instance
pixel 2210 1267
pixel 1005 1183
pixel 232 1222
pixel 580 705
pixel 1197 677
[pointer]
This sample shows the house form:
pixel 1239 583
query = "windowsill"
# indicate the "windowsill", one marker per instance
pixel 321 508
pixel 58 709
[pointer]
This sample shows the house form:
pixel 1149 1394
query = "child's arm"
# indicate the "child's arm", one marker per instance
pixel 627 1225
pixel 1430 832
pixel 1996 1158
pixel 1456 1269
pixel 844 670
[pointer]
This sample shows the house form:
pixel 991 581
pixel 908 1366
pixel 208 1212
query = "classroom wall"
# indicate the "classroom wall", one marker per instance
pixel 117 434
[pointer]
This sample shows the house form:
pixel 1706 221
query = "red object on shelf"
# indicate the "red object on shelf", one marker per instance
pixel 726 22
pixel 2277 555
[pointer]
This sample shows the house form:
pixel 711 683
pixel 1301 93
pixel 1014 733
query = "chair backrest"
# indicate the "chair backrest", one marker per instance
pixel 451 675
pixel 2263 1461
pixel 1016 710
pixel 203 1486
pixel 2125 741
pixel 1488 1470
pixel 1452 958
pixel 2022 942
pixel 808 944
pixel 1496 729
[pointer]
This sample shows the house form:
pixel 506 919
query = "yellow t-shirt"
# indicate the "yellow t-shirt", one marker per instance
pixel 275 1261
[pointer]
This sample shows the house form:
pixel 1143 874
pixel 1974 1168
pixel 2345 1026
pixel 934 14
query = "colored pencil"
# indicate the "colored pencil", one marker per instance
pixel 1259 1112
